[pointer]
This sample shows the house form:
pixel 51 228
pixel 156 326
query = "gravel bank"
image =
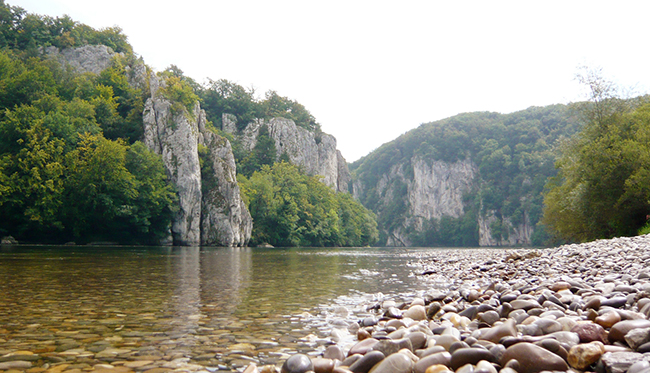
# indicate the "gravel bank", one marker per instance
pixel 572 308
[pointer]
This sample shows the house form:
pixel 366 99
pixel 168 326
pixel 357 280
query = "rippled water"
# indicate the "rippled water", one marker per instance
pixel 192 302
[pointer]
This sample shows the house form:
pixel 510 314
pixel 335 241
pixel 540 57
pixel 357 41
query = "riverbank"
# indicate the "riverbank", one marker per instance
pixel 190 310
pixel 576 307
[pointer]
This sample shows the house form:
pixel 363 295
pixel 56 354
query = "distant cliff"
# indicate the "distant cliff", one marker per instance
pixel 473 179
pixel 315 151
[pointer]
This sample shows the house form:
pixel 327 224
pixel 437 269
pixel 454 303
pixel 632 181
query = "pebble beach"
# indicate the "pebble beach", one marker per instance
pixel 582 307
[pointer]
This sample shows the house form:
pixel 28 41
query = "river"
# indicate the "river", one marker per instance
pixel 220 307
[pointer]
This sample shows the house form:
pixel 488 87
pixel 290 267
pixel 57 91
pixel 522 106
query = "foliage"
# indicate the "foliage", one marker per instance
pixel 122 114
pixel 514 154
pixel 180 93
pixel 225 97
pixel 222 96
pixel 275 106
pixel 116 192
pixel 22 31
pixel 67 171
pixel 290 208
pixel 602 189
pixel 263 154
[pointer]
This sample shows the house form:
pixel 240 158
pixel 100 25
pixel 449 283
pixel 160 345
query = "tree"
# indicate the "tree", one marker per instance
pixel 32 168
pixel 290 208
pixel 597 192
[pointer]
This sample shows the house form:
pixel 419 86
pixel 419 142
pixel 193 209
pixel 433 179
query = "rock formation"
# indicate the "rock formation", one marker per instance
pixel 209 214
pixel 85 59
pixel 225 220
pixel 315 151
pixel 435 189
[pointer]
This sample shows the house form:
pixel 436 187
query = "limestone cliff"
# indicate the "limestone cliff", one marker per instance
pixel 209 214
pixel 518 234
pixel 85 59
pixel 431 190
pixel 315 151
pixel 225 220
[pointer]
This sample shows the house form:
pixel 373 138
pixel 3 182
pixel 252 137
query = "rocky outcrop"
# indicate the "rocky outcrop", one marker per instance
pixel 175 137
pixel 437 188
pixel 225 220
pixel 431 190
pixel 518 234
pixel 212 214
pixel 315 151
pixel 85 59
pixel 210 208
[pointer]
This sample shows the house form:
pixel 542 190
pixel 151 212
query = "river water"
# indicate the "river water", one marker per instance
pixel 220 307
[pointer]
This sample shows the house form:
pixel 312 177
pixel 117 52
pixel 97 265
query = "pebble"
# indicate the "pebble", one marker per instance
pixel 621 328
pixel 298 363
pixel 533 359
pixel 522 313
pixel 396 363
pixel 583 355
pixel 369 360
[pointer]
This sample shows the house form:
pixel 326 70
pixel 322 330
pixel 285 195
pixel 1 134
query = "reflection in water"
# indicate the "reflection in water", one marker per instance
pixel 192 302
pixel 225 272
pixel 186 296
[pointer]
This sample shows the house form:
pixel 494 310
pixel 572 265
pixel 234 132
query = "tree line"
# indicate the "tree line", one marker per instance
pixel 72 167
pixel 602 189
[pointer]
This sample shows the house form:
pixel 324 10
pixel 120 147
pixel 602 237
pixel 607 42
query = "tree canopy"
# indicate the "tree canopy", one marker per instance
pixel 602 189
pixel 24 31
pixel 71 167
pixel 290 208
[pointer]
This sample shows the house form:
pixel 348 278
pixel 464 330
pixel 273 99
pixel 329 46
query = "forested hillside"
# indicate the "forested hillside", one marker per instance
pixel 507 160
pixel 73 167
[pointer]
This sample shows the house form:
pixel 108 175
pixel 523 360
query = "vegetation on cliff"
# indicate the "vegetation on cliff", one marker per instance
pixel 514 155
pixel 602 189
pixel 290 208
pixel 70 165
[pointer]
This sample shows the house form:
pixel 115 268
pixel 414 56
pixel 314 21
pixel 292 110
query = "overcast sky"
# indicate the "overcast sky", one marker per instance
pixel 372 70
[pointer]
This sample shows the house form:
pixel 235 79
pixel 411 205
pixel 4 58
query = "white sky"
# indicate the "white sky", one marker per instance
pixel 372 70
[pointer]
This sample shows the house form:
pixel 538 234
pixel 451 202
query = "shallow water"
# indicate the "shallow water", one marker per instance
pixel 220 307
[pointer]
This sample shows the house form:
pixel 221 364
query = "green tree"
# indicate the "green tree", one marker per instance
pixel 32 165
pixel 597 193
pixel 264 153
pixel 224 97
pixel 290 208
pixel 117 193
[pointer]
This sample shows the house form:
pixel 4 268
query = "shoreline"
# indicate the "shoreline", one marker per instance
pixel 467 304
pixel 579 307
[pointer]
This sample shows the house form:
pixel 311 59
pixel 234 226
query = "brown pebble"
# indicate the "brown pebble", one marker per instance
pixel 608 319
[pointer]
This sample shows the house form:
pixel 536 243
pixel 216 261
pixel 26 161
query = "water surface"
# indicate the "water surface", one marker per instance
pixel 192 302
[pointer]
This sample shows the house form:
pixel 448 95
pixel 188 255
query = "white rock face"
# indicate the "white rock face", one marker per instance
pixel 435 189
pixel 315 152
pixel 518 235
pixel 175 138
pixel 89 58
pixel 225 220
pixel 218 217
